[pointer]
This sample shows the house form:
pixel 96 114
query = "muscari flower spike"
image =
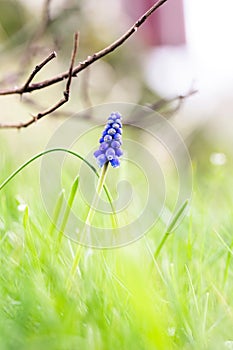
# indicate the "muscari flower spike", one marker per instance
pixel 110 142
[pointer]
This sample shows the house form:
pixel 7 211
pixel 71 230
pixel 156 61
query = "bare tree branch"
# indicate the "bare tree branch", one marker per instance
pixel 66 93
pixel 90 60
pixel 37 69
pixel 162 106
pixel 31 102
pixel 72 72
pixel 162 103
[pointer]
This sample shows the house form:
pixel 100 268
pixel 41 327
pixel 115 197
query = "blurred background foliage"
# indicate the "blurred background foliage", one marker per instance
pixel 29 32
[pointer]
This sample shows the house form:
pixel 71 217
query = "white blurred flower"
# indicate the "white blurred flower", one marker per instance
pixel 171 331
pixel 218 158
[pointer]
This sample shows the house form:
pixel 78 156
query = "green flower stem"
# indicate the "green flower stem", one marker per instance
pixel 99 188
pixel 88 222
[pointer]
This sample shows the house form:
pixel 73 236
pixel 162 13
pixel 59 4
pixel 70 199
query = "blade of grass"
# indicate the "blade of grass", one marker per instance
pixel 30 242
pixel 227 266
pixel 57 211
pixel 223 242
pixel 171 227
pixel 229 256
pixel 70 201
pixel 192 289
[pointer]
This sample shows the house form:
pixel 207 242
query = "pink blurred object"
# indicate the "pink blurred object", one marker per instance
pixel 164 27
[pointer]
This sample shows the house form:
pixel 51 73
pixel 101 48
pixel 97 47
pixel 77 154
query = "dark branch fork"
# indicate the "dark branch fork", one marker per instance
pixel 66 93
pixel 37 69
pixel 73 71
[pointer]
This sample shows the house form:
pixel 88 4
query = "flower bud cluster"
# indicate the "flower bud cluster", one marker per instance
pixel 110 142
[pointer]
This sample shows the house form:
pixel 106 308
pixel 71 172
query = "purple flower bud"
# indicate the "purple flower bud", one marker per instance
pixel 118 131
pixel 115 162
pixel 115 144
pixel 104 146
pixel 105 132
pixel 115 115
pixel 116 126
pixel 111 131
pixel 118 152
pixel 112 116
pixel 117 137
pixel 110 153
pixel 101 160
pixel 98 153
pixel 107 138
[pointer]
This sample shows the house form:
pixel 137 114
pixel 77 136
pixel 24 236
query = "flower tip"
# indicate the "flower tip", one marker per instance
pixel 115 162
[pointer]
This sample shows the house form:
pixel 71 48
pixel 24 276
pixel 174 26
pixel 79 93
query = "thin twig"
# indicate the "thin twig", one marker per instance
pixel 90 59
pixel 72 72
pixel 180 99
pixel 31 102
pixel 66 93
pixel 37 69
pixel 158 105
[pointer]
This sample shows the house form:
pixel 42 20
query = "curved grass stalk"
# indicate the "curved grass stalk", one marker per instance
pixel 17 171
pixel 24 165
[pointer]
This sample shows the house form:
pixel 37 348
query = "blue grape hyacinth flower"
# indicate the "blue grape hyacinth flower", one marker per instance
pixel 110 142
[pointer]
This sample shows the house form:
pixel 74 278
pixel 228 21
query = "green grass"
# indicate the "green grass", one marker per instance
pixel 122 298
